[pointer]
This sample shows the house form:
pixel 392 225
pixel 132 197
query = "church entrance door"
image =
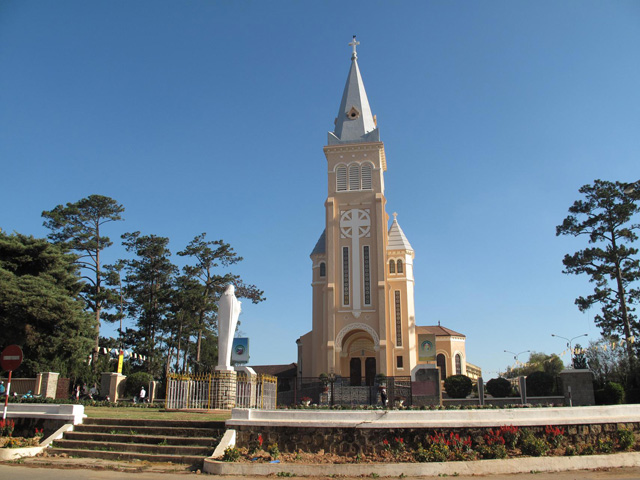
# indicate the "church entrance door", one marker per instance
pixel 370 371
pixel 355 372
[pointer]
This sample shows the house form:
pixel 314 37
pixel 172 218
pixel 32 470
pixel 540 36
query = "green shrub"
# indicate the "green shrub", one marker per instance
pixel 497 450
pixel 533 446
pixel 605 446
pixel 587 450
pixel 437 452
pixel 458 386
pixel 135 382
pixel 274 451
pixel 539 384
pixel 569 451
pixel 499 387
pixel 626 439
pixel 613 393
pixel 231 454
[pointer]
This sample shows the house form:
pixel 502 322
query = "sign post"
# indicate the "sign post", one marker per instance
pixel 10 359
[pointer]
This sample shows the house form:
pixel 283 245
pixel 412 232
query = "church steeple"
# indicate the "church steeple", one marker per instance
pixel 355 122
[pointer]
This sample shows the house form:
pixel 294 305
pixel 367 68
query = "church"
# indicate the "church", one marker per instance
pixel 364 320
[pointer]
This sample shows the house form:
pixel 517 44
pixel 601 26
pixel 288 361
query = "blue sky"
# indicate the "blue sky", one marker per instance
pixel 209 116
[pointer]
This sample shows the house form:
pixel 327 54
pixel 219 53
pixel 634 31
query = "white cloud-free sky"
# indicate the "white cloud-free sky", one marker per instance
pixel 210 116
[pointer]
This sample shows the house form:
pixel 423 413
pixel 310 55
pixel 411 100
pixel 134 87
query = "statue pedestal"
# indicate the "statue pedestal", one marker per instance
pixel 224 395
pixel 425 385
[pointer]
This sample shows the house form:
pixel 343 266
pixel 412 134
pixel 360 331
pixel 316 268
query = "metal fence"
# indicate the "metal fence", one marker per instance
pixel 341 392
pixel 215 391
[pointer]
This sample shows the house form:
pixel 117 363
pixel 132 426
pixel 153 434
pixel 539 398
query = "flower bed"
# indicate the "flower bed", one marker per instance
pixel 507 441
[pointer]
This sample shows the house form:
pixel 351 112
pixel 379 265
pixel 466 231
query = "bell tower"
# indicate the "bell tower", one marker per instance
pixel 353 302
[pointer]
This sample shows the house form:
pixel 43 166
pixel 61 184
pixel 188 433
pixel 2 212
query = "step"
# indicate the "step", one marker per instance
pixel 133 448
pixel 107 455
pixel 155 423
pixel 148 439
pixel 144 430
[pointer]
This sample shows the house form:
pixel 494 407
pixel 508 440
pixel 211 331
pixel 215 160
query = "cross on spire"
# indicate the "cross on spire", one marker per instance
pixel 354 44
pixel 395 216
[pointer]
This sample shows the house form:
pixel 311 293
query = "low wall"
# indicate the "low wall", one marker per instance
pixel 504 401
pixel 352 432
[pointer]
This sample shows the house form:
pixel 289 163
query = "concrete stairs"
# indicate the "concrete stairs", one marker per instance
pixel 174 441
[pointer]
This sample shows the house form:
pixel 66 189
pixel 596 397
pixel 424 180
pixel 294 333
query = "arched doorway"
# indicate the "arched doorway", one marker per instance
pixel 370 371
pixel 441 361
pixel 355 372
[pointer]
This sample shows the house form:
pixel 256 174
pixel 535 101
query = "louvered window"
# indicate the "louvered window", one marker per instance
pixel 367 276
pixel 400 266
pixel 398 320
pixel 354 176
pixel 341 179
pixel 392 266
pixel 366 177
pixel 345 275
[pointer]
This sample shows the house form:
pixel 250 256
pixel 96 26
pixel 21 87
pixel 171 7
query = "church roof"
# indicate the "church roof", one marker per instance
pixel 320 247
pixel 397 239
pixel 355 122
pixel 438 331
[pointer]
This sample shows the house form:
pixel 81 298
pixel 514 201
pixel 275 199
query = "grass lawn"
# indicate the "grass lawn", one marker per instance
pixel 154 414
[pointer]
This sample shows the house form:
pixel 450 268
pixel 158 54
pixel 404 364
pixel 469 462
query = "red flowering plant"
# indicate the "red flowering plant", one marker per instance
pixel 510 433
pixel 386 445
pixel 7 427
pixel 255 445
pixel 397 445
pixel 555 435
pixel 39 433
pixel 494 438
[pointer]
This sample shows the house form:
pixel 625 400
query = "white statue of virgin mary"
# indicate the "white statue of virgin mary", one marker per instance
pixel 228 312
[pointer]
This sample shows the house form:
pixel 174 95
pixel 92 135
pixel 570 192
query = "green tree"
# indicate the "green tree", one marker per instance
pixel 208 256
pixel 149 288
pixel 538 362
pixel 40 306
pixel 579 357
pixel 78 226
pixel 604 217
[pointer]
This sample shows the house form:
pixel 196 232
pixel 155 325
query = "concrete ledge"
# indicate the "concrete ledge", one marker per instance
pixel 227 440
pixel 49 411
pixel 480 467
pixel 15 453
pixel 435 418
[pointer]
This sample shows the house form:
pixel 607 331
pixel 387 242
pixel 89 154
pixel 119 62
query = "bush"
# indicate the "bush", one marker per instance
pixel 458 386
pixel 626 439
pixel 535 447
pixel 613 394
pixel 135 382
pixel 499 387
pixel 539 384
pixel 231 454
pixel 494 451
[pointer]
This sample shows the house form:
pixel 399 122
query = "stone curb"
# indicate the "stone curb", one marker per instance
pixel 227 440
pixel 480 467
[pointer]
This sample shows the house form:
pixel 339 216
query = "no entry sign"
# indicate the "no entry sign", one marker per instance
pixel 11 358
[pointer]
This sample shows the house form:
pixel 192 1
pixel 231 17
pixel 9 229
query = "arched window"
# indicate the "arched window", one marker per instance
pixel 354 176
pixel 366 176
pixel 458 364
pixel 441 361
pixel 400 266
pixel 392 266
pixel 323 269
pixel 341 178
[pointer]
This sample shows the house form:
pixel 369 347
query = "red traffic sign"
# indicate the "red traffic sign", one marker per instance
pixel 11 358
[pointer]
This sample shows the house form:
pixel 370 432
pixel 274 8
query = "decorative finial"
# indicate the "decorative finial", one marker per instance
pixel 395 217
pixel 354 43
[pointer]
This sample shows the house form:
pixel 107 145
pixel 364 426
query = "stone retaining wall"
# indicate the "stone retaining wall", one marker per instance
pixel 353 440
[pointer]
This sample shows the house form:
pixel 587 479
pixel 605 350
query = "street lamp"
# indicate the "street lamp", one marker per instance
pixel 569 343
pixel 515 355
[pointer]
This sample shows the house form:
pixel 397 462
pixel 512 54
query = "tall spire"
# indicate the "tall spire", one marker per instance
pixel 354 123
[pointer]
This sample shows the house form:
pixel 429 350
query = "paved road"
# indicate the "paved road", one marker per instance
pixel 19 472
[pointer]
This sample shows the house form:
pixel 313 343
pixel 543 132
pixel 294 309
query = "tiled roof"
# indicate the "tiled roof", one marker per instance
pixel 397 239
pixel 439 331
pixel 320 247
